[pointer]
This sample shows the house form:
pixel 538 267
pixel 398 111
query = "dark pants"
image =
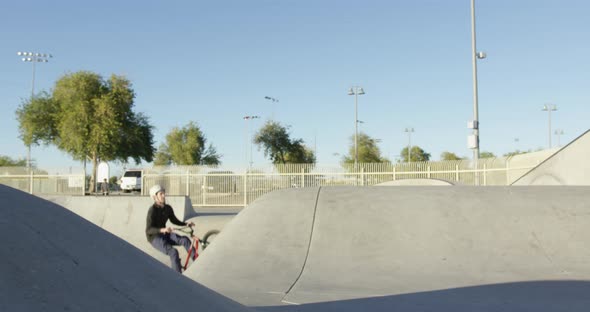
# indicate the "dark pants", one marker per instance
pixel 164 243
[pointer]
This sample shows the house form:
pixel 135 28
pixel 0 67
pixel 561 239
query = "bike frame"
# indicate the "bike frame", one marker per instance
pixel 194 245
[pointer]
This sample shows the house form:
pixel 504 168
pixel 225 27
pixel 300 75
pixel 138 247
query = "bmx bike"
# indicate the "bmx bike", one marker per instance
pixel 193 252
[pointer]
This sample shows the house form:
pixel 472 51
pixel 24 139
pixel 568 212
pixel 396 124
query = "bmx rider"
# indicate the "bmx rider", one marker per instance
pixel 160 236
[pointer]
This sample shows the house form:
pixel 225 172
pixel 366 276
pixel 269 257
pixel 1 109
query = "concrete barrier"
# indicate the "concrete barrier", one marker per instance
pixel 417 248
pixel 124 216
pixel 404 182
pixel 54 260
pixel 568 166
pixel 260 253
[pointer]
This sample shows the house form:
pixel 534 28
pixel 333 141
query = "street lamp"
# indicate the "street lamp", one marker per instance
pixel 356 91
pixel 409 132
pixel 270 98
pixel 558 132
pixel 33 57
pixel 246 118
pixel 474 124
pixel 473 140
pixel 548 108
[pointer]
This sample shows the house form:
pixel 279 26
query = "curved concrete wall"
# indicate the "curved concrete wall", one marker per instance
pixel 568 166
pixel 262 250
pixel 53 260
pixel 123 216
pixel 404 182
pixel 369 242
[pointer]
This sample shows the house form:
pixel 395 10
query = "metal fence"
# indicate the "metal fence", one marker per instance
pixel 68 181
pixel 211 186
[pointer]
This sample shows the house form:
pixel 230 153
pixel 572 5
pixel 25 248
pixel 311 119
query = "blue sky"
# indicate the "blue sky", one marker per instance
pixel 213 62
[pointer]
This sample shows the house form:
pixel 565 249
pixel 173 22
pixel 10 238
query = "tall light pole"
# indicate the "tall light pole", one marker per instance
pixel 270 98
pixel 548 108
pixel 558 132
pixel 409 132
pixel 248 136
pixel 473 140
pixel 34 58
pixel 356 91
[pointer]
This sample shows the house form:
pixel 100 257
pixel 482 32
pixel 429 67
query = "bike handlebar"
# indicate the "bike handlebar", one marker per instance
pixel 184 230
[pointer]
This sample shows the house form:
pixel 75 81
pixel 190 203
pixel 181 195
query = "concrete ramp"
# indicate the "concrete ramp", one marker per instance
pixel 123 216
pixel 406 182
pixel 568 166
pixel 54 260
pixel 260 253
pixel 408 248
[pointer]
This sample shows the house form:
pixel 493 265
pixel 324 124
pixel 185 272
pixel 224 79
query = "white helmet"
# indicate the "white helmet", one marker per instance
pixel 156 189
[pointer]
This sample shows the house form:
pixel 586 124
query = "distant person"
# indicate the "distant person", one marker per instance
pixel 160 236
pixel 104 187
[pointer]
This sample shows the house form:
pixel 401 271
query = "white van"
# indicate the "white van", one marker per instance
pixel 131 180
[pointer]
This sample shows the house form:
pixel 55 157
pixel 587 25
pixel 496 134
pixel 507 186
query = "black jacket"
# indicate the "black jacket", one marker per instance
pixel 157 218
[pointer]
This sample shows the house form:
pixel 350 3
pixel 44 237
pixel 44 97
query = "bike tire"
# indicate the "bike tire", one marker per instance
pixel 207 238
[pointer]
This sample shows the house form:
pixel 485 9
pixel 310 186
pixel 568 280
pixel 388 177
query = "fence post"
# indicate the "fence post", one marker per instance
pixel 428 172
pixel 302 177
pixel 31 181
pixel 394 173
pixel 204 193
pixel 457 173
pixel 485 174
pixel 363 176
pixel 187 183
pixel 245 189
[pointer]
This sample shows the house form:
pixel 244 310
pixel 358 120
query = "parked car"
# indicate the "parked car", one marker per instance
pixel 131 180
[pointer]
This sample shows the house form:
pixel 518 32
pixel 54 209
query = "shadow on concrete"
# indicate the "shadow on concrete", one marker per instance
pixel 538 296
pixel 208 211
pixel 206 214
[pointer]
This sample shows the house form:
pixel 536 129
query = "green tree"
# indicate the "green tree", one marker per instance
pixel 486 155
pixel 275 139
pixel 300 154
pixel 449 156
pixel 163 157
pixel 368 151
pixel 416 154
pixel 89 117
pixel 187 146
pixel 37 119
pixel 6 161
